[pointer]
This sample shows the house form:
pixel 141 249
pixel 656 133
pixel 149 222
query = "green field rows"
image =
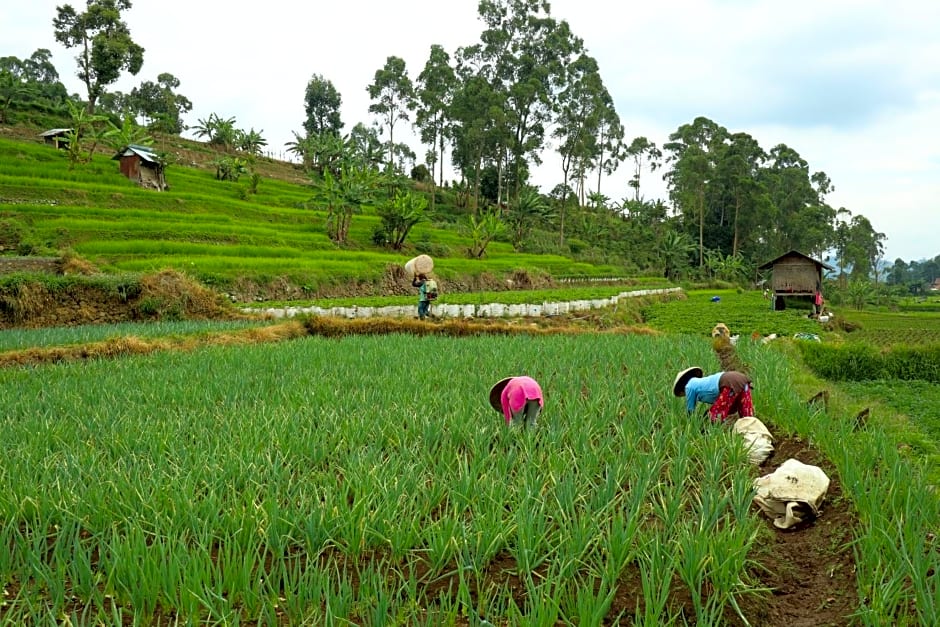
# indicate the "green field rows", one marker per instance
pixel 327 481
pixel 744 312
pixel 889 328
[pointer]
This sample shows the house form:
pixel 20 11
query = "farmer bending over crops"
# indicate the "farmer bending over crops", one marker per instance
pixel 519 398
pixel 727 392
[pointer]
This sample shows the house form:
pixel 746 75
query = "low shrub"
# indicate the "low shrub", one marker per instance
pixel 858 361
pixel 425 247
pixel 11 234
pixel 914 362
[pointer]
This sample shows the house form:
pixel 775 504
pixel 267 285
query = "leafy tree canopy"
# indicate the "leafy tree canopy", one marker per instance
pixel 322 104
pixel 160 105
pixel 105 47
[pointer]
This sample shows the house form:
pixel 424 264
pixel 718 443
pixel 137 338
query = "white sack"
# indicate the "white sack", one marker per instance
pixel 791 494
pixel 422 264
pixel 757 439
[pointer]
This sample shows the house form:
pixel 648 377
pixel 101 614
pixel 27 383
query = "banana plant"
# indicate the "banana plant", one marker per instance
pixel 482 230
pixel 250 141
pixel 129 132
pixel 85 126
pixel 401 214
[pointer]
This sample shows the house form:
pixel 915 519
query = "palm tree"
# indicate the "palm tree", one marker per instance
pixel 529 209
pixel 331 153
pixel 218 132
pixel 224 134
pixel 401 214
pixel 483 230
pixel 205 127
pixel 84 126
pixel 597 200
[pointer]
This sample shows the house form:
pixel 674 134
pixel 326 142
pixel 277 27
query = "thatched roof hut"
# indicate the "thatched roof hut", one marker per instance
pixel 141 164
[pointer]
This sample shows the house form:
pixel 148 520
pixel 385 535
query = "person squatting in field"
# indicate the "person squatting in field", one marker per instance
pixel 727 392
pixel 519 399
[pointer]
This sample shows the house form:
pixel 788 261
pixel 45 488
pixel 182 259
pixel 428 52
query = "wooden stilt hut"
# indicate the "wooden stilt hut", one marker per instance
pixel 795 274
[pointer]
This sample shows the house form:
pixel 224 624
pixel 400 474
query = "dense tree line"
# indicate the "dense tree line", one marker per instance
pixel 917 276
pixel 491 106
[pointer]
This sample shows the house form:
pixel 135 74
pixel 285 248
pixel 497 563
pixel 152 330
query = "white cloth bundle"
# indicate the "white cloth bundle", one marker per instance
pixel 791 494
pixel 758 442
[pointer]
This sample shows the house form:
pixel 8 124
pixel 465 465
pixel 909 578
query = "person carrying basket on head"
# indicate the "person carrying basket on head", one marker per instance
pixel 427 292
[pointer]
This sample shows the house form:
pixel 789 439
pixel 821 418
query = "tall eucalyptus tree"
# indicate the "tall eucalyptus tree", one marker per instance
pixel 858 246
pixel 435 89
pixel 28 80
pixel 738 189
pixel 693 149
pixel 322 103
pixel 392 93
pixel 160 105
pixel 523 53
pixel 577 122
pixel 799 217
pixel 611 150
pixel 479 127
pixel 645 154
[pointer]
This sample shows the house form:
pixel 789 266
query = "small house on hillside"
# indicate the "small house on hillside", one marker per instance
pixel 141 164
pixel 794 274
pixel 58 137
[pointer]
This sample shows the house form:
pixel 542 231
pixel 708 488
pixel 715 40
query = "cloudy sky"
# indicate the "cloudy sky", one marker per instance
pixel 852 85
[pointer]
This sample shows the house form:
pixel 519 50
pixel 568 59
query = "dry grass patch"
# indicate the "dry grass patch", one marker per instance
pixel 323 326
pixel 132 345
pixel 171 294
pixel 72 263
pixel 337 327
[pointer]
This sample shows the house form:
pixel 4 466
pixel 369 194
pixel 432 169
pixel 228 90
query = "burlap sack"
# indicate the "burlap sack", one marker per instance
pixel 721 330
pixel 757 439
pixel 422 264
pixel 792 494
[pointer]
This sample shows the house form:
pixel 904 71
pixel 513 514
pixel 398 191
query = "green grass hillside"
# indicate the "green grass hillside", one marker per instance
pixel 216 232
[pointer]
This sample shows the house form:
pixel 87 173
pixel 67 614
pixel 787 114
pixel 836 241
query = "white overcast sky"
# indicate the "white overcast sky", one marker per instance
pixel 852 85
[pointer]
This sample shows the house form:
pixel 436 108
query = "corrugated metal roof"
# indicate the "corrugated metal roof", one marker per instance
pixel 55 131
pixel 143 152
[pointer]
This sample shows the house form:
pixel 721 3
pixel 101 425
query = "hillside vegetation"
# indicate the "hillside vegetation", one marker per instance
pixel 271 242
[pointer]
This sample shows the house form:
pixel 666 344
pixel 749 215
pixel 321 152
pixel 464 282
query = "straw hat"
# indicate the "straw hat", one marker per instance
pixel 678 386
pixel 496 391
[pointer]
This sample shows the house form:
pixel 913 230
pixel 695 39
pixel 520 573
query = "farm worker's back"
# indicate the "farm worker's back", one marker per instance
pixel 519 398
pixel 727 392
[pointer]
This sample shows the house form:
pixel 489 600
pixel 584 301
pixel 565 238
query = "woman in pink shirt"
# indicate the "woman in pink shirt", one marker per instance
pixel 519 398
